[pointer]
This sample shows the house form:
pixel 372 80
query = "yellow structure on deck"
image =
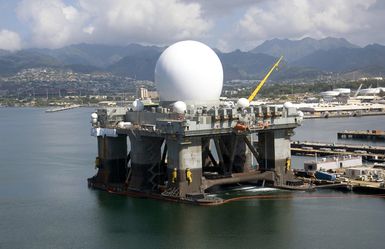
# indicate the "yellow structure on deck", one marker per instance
pixel 288 164
pixel 174 175
pixel 258 88
pixel 188 176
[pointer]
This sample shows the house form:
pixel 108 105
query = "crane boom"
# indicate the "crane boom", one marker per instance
pixel 258 88
pixel 358 91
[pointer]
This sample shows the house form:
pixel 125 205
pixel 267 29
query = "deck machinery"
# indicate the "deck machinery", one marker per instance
pixel 179 156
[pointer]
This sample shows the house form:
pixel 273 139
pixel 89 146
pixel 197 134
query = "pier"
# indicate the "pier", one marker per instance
pixel 359 187
pixel 368 134
pixel 342 114
pixel 62 108
pixel 370 153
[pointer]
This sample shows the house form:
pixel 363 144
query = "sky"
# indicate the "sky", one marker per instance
pixel 226 25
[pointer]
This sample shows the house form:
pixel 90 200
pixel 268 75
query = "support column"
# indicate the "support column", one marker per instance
pixel 146 158
pixel 250 150
pixel 185 154
pixel 274 150
pixel 112 160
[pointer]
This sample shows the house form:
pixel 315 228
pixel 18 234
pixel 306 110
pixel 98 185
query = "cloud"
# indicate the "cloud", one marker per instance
pixel 224 24
pixel 158 21
pixel 9 40
pixel 300 18
pixel 53 23
pixel 220 7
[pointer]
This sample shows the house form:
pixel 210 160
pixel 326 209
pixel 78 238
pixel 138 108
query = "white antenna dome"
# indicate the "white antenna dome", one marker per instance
pixel 94 118
pixel 243 103
pixel 189 71
pixel 179 107
pixel 300 114
pixel 288 105
pixel 137 105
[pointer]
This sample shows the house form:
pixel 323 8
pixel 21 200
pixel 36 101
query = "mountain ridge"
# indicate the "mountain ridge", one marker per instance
pixel 293 50
pixel 345 59
pixel 138 61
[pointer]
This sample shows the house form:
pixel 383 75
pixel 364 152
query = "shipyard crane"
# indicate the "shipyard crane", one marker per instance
pixel 358 91
pixel 259 86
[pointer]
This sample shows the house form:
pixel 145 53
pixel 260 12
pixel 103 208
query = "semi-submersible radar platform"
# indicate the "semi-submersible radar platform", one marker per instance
pixel 179 154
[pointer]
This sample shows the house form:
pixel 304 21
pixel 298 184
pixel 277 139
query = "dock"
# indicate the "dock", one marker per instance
pixel 365 187
pixel 342 115
pixel 369 153
pixel 62 108
pixel 368 134
pixel 359 187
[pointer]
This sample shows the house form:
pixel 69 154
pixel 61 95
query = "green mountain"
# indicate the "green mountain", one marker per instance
pixel 293 50
pixel 236 65
pixel 139 66
pixel 97 55
pixel 11 63
pixel 139 61
pixel 245 65
pixel 345 59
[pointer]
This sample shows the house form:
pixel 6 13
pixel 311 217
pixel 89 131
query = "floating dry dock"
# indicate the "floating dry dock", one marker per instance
pixel 192 141
pixel 178 156
pixel 368 134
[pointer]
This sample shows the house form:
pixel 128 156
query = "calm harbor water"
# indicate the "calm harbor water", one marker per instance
pixel 45 202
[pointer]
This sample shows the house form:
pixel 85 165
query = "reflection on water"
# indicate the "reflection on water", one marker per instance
pixel 45 202
pixel 150 223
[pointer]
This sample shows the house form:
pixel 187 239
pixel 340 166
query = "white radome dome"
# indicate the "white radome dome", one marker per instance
pixel 300 114
pixel 243 103
pixel 179 107
pixel 300 117
pixel 288 105
pixel 189 71
pixel 94 118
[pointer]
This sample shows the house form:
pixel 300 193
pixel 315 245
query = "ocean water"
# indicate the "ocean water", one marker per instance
pixel 45 160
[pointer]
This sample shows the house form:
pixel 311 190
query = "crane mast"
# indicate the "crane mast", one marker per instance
pixel 258 88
